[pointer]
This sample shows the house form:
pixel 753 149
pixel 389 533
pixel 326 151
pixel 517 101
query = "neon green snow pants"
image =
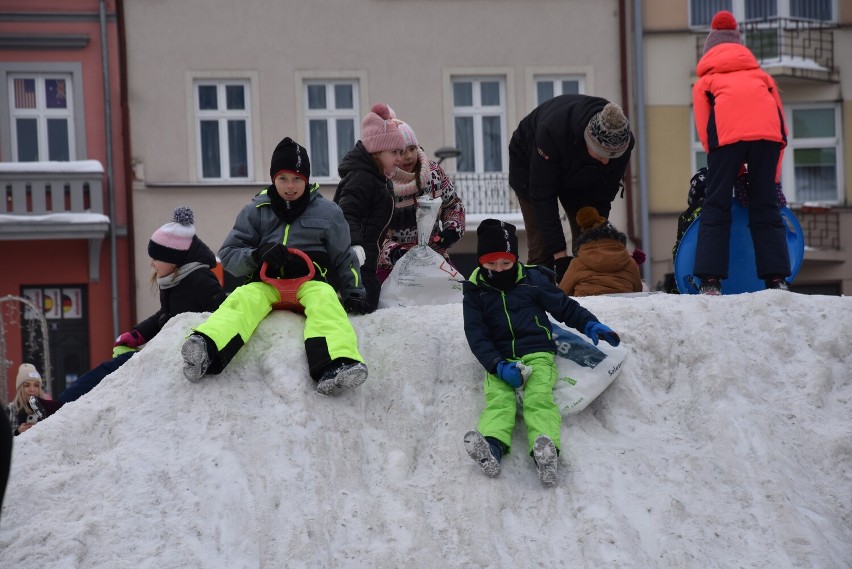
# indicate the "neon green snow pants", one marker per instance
pixel 540 412
pixel 328 333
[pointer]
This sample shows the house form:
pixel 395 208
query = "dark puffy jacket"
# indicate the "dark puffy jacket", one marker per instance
pixel 199 291
pixel 365 195
pixel 501 325
pixel 549 160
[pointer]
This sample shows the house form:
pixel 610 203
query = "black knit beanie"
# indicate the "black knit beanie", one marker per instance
pixel 292 157
pixel 495 236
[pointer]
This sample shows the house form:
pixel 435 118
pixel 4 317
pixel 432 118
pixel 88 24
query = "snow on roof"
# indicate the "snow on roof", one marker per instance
pixel 53 167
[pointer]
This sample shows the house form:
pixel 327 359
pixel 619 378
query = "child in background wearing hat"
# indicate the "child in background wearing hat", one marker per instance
pixel 181 264
pixel 418 176
pixel 507 328
pixel 740 120
pixel 573 150
pixel 28 385
pixel 290 212
pixel 602 264
pixel 365 192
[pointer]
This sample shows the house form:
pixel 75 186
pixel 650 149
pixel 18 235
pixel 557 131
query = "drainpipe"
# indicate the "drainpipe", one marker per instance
pixel 113 263
pixel 640 137
pixel 630 230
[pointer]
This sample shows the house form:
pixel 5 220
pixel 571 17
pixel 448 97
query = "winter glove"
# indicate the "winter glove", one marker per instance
pixel 446 238
pixel 638 256
pixel 132 339
pixel 595 330
pixel 397 253
pixel 356 303
pixel 122 349
pixel 359 252
pixel 560 265
pixel 511 373
pixel 275 255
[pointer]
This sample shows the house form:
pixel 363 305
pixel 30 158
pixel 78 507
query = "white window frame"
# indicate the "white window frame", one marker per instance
pixel 556 81
pixel 788 178
pixel 41 113
pixel 331 116
pixel 738 10
pixel 478 111
pixel 222 115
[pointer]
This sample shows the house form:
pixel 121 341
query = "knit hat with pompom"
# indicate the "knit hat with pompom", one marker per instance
pixel 379 131
pixel 171 242
pixel 589 217
pixel 608 132
pixel 723 29
pixel 594 227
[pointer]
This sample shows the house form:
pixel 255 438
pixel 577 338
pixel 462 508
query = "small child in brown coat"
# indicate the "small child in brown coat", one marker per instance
pixel 602 264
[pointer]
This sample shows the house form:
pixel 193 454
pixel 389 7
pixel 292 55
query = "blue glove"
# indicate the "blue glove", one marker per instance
pixel 510 373
pixel 595 330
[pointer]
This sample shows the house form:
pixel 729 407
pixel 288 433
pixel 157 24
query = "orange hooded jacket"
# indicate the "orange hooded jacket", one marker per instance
pixel 735 100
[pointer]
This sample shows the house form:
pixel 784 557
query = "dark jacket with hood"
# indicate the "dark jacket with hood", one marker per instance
pixel 548 160
pixel 365 195
pixel 191 288
pixel 502 325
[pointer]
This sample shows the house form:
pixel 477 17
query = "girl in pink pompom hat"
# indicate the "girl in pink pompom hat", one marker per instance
pixel 365 192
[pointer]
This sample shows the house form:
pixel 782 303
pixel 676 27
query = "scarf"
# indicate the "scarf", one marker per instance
pixel 172 280
pixel 405 184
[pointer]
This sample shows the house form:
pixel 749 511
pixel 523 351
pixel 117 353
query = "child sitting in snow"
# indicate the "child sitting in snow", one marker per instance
pixel 291 212
pixel 182 265
pixel 602 264
pixel 505 321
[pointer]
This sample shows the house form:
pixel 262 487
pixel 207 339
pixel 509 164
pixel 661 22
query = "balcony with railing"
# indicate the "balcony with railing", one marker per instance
pixel 54 200
pixel 788 47
pixel 487 194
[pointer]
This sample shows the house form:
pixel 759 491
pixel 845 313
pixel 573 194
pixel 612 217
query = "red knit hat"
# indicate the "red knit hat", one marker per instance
pixel 723 29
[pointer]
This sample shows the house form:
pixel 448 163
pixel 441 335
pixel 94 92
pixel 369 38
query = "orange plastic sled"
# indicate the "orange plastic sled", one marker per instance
pixel 287 288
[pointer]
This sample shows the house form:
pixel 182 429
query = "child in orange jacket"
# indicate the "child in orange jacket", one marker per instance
pixel 739 119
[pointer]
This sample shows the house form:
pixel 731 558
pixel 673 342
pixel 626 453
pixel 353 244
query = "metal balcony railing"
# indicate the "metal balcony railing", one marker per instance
pixel 54 200
pixel 487 192
pixel 789 47
pixel 821 228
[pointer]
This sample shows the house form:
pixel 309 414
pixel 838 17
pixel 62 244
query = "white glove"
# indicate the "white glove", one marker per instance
pixel 525 370
pixel 359 252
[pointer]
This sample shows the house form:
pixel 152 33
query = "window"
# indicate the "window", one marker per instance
pixel 42 118
pixel 701 12
pixel 811 168
pixel 479 124
pixel 699 157
pixel 222 124
pixel 332 117
pixel 547 87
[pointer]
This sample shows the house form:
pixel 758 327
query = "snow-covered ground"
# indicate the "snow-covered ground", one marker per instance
pixel 725 442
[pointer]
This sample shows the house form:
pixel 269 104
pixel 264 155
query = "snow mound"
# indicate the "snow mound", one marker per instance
pixel 726 441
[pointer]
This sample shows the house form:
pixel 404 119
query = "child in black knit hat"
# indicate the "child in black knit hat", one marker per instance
pixel 507 328
pixel 290 213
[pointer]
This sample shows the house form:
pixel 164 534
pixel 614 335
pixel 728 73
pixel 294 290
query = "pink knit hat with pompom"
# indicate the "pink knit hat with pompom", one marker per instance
pixel 379 131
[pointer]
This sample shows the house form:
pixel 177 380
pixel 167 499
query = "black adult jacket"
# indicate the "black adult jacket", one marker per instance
pixel 548 160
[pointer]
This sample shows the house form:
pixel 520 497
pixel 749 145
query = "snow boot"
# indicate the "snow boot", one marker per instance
pixel 711 286
pixel 545 456
pixel 195 358
pixel 344 375
pixel 479 450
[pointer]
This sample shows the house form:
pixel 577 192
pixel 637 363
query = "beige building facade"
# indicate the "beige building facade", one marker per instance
pixel 461 72
pixel 209 98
